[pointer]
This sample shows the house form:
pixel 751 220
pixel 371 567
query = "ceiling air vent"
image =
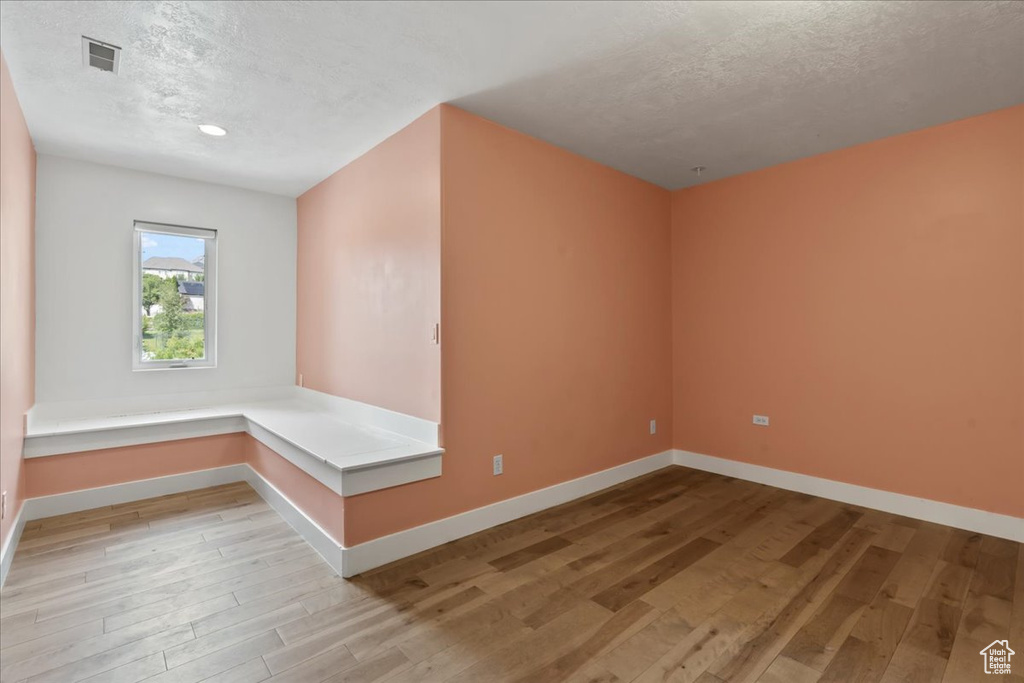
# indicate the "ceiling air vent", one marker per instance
pixel 101 55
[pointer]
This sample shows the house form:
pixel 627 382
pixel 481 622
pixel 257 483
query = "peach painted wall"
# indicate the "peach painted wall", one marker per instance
pixel 90 469
pixel 320 503
pixel 870 301
pixel 369 276
pixel 17 291
pixel 556 324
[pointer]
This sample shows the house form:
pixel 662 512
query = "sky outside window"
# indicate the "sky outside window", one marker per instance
pixel 156 244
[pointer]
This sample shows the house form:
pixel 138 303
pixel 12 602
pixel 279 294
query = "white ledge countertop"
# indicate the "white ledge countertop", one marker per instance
pixel 39 427
pixel 313 431
pixel 341 445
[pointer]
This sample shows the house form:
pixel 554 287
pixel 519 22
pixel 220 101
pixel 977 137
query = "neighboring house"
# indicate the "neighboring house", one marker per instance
pixel 191 294
pixel 171 266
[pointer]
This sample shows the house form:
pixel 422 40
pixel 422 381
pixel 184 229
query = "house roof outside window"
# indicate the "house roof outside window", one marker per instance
pixel 190 288
pixel 170 263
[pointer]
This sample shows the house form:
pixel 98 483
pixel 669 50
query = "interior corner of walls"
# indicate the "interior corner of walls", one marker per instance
pixel 445 111
pixel 321 539
pixel 310 496
pixel 436 112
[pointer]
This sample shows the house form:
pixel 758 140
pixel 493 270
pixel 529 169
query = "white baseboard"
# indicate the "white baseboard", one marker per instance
pixel 380 551
pixel 103 496
pixel 346 561
pixel 88 499
pixel 7 553
pixel 114 494
pixel 311 532
pixel 365 556
pixel 991 523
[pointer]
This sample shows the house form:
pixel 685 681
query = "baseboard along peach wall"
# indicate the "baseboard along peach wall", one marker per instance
pixel 106 467
pixel 556 324
pixel 870 301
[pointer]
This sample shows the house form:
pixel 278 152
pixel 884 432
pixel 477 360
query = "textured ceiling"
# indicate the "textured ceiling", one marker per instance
pixel 650 88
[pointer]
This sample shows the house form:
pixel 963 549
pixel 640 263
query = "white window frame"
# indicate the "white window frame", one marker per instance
pixel 209 238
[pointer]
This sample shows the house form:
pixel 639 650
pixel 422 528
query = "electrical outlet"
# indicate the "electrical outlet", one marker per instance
pixel 761 420
pixel 498 465
pixel 654 426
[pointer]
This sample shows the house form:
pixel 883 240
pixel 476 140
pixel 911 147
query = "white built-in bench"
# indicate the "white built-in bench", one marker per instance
pixel 348 446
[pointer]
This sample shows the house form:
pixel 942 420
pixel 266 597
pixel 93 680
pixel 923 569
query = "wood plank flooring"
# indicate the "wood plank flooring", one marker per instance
pixel 677 576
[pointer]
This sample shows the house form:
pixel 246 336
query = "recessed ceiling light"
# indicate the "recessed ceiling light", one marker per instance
pixel 211 129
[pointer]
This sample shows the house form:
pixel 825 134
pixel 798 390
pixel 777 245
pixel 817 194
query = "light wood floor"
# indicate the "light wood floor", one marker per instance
pixel 680 575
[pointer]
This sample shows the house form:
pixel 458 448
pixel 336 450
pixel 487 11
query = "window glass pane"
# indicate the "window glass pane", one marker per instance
pixel 173 297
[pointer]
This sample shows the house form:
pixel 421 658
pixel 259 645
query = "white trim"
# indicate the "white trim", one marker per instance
pixel 209 359
pixel 7 553
pixel 380 551
pixel 346 561
pixel 116 437
pixel 991 523
pixel 304 525
pixel 356 412
pixel 351 481
pixel 390 474
pixel 365 556
pixel 317 468
pixel 115 494
pixel 176 230
pixel 341 443
pixel 46 417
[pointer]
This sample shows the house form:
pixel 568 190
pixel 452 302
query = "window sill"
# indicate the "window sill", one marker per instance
pixel 160 368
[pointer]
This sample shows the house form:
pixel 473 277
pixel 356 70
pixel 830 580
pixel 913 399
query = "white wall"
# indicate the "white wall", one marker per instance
pixel 84 223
